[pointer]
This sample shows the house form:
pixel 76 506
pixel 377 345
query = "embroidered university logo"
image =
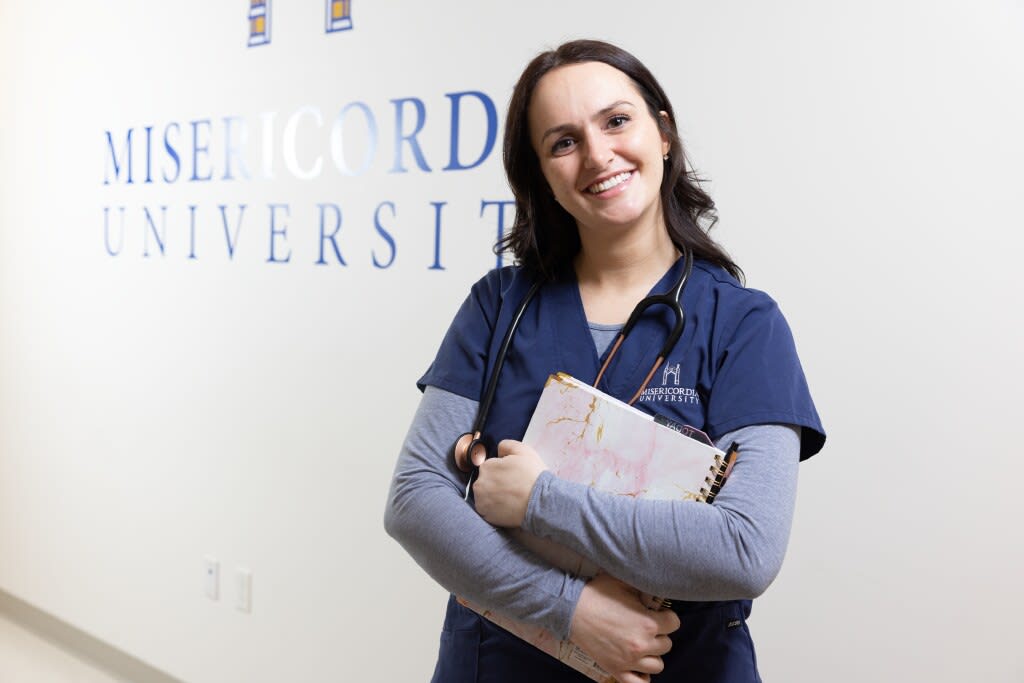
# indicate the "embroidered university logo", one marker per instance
pixel 672 370
pixel 670 392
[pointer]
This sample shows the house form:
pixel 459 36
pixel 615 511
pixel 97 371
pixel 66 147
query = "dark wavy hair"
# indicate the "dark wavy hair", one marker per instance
pixel 544 237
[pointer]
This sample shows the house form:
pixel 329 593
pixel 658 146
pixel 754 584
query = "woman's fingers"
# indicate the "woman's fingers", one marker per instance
pixel 502 491
pixel 613 626
pixel 664 644
pixel 668 621
pixel 633 677
pixel 645 668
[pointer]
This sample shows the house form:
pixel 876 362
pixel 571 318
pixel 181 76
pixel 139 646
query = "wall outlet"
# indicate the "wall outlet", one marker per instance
pixel 243 590
pixel 212 578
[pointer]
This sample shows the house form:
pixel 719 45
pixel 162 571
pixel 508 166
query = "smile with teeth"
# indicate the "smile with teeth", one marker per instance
pixel 610 183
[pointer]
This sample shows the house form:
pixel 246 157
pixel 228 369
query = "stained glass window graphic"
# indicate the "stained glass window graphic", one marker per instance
pixel 339 15
pixel 259 22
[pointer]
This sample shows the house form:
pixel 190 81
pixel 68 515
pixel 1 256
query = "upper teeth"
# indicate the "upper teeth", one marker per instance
pixel 608 184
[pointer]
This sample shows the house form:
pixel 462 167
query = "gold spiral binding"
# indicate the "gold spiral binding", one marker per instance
pixel 714 480
pixel 721 468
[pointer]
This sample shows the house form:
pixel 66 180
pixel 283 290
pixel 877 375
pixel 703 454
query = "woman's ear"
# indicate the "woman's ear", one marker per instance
pixel 665 124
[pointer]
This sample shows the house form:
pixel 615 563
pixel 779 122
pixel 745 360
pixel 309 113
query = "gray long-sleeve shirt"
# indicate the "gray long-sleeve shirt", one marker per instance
pixel 732 549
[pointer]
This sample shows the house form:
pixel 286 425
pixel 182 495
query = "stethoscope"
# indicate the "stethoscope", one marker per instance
pixel 671 298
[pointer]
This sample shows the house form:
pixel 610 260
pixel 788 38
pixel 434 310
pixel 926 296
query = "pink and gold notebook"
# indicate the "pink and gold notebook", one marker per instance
pixel 589 437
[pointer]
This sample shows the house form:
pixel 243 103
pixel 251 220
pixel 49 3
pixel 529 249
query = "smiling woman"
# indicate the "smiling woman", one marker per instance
pixel 607 212
pixel 600 151
pixel 688 211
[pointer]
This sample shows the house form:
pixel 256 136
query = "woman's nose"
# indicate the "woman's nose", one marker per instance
pixel 598 151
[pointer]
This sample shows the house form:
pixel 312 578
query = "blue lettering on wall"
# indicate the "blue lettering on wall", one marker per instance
pixel 159 236
pixel 385 234
pixel 268 143
pixel 410 138
pixel 291 159
pixel 149 153
pixel 338 140
pixel 172 152
pixel 231 148
pixel 233 151
pixel 324 236
pixel 166 232
pixel 200 149
pixel 231 240
pixel 492 129
pixel 106 231
pixel 192 231
pixel 436 265
pixel 276 232
pixel 126 159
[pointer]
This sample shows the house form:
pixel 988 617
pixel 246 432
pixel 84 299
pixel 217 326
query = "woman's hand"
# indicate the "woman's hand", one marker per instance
pixel 503 486
pixel 613 626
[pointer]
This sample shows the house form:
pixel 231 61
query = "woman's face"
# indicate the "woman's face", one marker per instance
pixel 599 148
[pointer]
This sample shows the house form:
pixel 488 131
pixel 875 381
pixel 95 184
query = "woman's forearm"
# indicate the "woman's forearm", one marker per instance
pixel 731 549
pixel 426 513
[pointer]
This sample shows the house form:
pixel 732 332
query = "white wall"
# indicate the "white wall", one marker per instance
pixel 153 411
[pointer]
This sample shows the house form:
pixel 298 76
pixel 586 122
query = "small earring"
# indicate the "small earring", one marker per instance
pixel 665 158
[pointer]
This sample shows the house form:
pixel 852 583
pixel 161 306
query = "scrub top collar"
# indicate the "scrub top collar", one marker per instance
pixel 575 350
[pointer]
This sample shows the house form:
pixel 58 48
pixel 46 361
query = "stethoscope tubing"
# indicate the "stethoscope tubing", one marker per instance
pixel 672 299
pixel 492 384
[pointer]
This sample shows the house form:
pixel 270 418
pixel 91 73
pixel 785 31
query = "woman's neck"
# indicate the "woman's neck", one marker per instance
pixel 615 271
pixel 617 260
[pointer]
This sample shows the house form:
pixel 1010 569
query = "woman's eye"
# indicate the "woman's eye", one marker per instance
pixel 562 146
pixel 617 121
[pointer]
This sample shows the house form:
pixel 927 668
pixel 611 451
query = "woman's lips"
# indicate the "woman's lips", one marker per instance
pixel 609 183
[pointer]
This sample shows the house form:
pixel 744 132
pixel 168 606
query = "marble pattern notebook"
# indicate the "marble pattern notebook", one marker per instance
pixel 589 437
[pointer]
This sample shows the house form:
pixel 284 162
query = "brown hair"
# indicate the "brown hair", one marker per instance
pixel 544 237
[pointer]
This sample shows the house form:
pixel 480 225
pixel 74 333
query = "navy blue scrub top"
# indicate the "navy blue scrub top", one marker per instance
pixel 734 366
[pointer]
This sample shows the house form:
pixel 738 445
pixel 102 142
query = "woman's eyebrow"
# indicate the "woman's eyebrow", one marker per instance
pixel 599 115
